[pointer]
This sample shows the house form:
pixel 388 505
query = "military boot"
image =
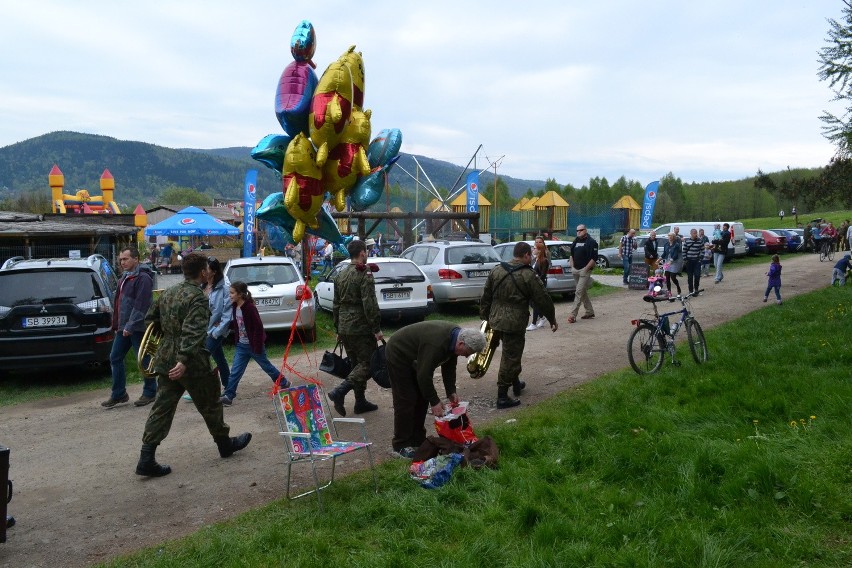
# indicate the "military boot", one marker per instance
pixel 338 396
pixel 363 405
pixel 148 466
pixel 227 446
pixel 518 386
pixel 504 400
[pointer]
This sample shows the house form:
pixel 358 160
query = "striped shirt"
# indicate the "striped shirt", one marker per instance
pixel 692 248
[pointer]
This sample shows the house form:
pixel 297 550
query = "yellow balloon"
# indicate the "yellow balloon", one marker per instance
pixel 348 159
pixel 303 190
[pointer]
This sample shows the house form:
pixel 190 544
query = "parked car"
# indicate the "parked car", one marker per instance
pixel 794 240
pixel 402 289
pixel 609 258
pixel 56 312
pixel 775 243
pixel 737 246
pixel 276 286
pixel 559 277
pixel 756 245
pixel 457 270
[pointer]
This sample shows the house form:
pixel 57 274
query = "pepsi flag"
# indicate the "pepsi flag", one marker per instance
pixel 249 205
pixel 648 205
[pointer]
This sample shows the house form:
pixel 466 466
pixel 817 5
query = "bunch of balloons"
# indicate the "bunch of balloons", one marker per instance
pixel 326 153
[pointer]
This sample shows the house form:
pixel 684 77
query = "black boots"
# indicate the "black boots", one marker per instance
pixel 338 397
pixel 518 386
pixel 148 466
pixel 504 400
pixel 363 405
pixel 227 446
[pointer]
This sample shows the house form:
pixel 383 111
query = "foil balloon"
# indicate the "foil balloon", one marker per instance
pixel 276 236
pixel 270 151
pixel 303 43
pixel 384 147
pixel 303 192
pixel 273 211
pixel 293 96
pixel 348 159
pixel 355 62
pixel 331 105
pixel 368 190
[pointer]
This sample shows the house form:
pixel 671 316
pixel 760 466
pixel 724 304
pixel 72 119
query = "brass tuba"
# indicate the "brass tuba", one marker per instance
pixel 147 355
pixel 477 364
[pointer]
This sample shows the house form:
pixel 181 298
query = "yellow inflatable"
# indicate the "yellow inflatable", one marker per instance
pixel 303 189
pixel 348 159
pixel 355 62
pixel 331 105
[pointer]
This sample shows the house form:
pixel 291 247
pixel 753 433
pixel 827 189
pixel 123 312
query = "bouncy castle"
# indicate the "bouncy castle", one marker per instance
pixel 81 202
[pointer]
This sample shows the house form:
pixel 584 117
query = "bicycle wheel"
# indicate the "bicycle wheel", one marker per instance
pixel 697 344
pixel 644 350
pixel 822 254
pixel 831 254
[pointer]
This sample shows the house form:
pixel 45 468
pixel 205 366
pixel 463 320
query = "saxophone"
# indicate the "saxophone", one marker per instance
pixel 477 364
pixel 147 355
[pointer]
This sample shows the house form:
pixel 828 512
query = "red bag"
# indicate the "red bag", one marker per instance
pixel 456 426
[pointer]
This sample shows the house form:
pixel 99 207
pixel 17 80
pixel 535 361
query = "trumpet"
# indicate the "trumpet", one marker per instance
pixel 147 355
pixel 477 364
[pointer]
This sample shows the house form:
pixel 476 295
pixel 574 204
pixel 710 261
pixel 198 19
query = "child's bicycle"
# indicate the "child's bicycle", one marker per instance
pixel 653 338
pixel 826 249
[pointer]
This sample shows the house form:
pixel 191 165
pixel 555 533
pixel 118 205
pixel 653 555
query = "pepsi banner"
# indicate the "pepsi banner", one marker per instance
pixel 648 205
pixel 249 205
pixel 472 192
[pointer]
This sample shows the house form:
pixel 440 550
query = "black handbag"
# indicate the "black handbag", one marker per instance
pixel 335 364
pixel 379 366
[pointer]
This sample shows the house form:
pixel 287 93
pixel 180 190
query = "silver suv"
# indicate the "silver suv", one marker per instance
pixel 56 312
pixel 456 269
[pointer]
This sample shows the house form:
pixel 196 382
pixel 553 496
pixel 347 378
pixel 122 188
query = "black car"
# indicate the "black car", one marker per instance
pixel 56 312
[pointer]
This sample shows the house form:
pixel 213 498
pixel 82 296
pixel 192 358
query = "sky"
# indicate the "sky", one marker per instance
pixel 566 90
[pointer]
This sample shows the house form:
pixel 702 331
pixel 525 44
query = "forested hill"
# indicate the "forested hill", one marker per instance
pixel 143 171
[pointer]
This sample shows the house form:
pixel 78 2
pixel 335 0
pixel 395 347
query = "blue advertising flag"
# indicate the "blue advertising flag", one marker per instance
pixel 249 204
pixel 473 192
pixel 648 205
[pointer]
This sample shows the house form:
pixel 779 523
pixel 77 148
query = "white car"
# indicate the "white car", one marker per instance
pixel 276 287
pixel 402 289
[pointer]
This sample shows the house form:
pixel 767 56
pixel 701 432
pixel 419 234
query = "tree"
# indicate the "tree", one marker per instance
pixel 835 61
pixel 174 195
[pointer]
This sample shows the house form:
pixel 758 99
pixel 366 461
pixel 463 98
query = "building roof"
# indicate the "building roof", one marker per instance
pixel 14 224
pixel 551 199
pixel 223 213
pixel 520 204
pixel 626 202
pixel 461 200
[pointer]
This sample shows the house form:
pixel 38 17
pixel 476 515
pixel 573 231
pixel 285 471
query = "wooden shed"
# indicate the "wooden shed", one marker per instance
pixel 631 212
pixel 551 212
pixel 459 205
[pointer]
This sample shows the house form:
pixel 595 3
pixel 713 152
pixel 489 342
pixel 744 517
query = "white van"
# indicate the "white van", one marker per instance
pixel 737 246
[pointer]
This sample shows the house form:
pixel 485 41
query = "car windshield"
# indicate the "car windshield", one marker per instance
pixel 398 272
pixel 471 255
pixel 269 274
pixel 24 288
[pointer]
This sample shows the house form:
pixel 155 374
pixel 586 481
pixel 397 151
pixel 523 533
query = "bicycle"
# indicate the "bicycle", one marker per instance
pixel 826 249
pixel 653 338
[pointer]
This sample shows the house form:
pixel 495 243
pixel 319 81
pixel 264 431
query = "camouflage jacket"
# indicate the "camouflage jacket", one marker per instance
pixel 356 310
pixel 182 314
pixel 510 288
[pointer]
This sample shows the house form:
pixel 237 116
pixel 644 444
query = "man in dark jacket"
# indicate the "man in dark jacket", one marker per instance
pixel 510 288
pixel 413 354
pixel 132 300
pixel 584 255
pixel 720 249
pixel 651 254
pixel 182 313
pixel 357 321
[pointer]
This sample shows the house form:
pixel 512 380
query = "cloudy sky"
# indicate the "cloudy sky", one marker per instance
pixel 562 89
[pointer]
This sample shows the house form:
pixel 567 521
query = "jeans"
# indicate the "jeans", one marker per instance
pixel 242 356
pixel 693 274
pixel 120 346
pixel 214 346
pixel 718 260
pixel 777 289
pixel 625 263
pixel 838 274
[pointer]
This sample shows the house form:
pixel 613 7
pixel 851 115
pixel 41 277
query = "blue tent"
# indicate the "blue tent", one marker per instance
pixel 191 221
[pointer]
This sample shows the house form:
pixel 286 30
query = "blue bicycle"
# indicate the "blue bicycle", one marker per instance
pixel 653 338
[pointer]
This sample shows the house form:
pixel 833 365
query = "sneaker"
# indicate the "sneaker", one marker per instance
pixel 531 327
pixel 110 402
pixel 226 401
pixel 285 384
pixel 764 300
pixel 187 397
pixel 778 302
pixel 404 453
pixel 541 322
pixel 144 400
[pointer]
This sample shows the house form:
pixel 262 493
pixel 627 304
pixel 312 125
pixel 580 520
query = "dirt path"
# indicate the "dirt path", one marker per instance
pixel 72 462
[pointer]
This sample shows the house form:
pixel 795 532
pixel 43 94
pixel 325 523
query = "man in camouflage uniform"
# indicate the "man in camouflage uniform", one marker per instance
pixel 182 363
pixel 358 324
pixel 510 288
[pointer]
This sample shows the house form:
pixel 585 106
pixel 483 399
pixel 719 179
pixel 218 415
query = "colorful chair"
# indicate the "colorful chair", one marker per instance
pixel 310 438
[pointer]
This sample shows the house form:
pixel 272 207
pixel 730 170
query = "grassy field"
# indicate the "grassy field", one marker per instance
pixel 743 461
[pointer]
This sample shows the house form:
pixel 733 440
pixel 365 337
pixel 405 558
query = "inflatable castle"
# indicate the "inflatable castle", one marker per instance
pixel 81 202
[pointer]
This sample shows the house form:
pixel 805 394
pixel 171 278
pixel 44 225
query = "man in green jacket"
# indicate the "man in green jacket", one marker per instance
pixel 510 288
pixel 413 353
pixel 182 363
pixel 357 321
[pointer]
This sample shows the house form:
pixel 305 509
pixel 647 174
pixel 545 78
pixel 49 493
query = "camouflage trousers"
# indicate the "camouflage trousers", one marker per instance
pixel 205 391
pixel 510 360
pixel 360 350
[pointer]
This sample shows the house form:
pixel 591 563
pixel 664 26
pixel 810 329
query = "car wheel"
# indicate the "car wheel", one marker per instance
pixel 602 262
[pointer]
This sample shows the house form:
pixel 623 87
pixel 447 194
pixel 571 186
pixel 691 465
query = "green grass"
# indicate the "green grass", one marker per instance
pixel 835 217
pixel 743 461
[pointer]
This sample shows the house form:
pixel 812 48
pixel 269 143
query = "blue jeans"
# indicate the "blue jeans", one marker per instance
pixel 719 260
pixel 242 356
pixel 214 346
pixel 625 263
pixel 120 346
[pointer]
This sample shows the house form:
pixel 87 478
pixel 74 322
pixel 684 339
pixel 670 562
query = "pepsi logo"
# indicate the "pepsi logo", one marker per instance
pixel 251 189
pixel 187 221
pixel 652 195
pixel 473 187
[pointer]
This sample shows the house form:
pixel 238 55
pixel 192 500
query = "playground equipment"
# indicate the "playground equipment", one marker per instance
pixel 82 201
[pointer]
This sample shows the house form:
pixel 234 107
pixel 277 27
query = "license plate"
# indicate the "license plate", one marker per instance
pixel 45 321
pixel 478 273
pixel 396 295
pixel 267 302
